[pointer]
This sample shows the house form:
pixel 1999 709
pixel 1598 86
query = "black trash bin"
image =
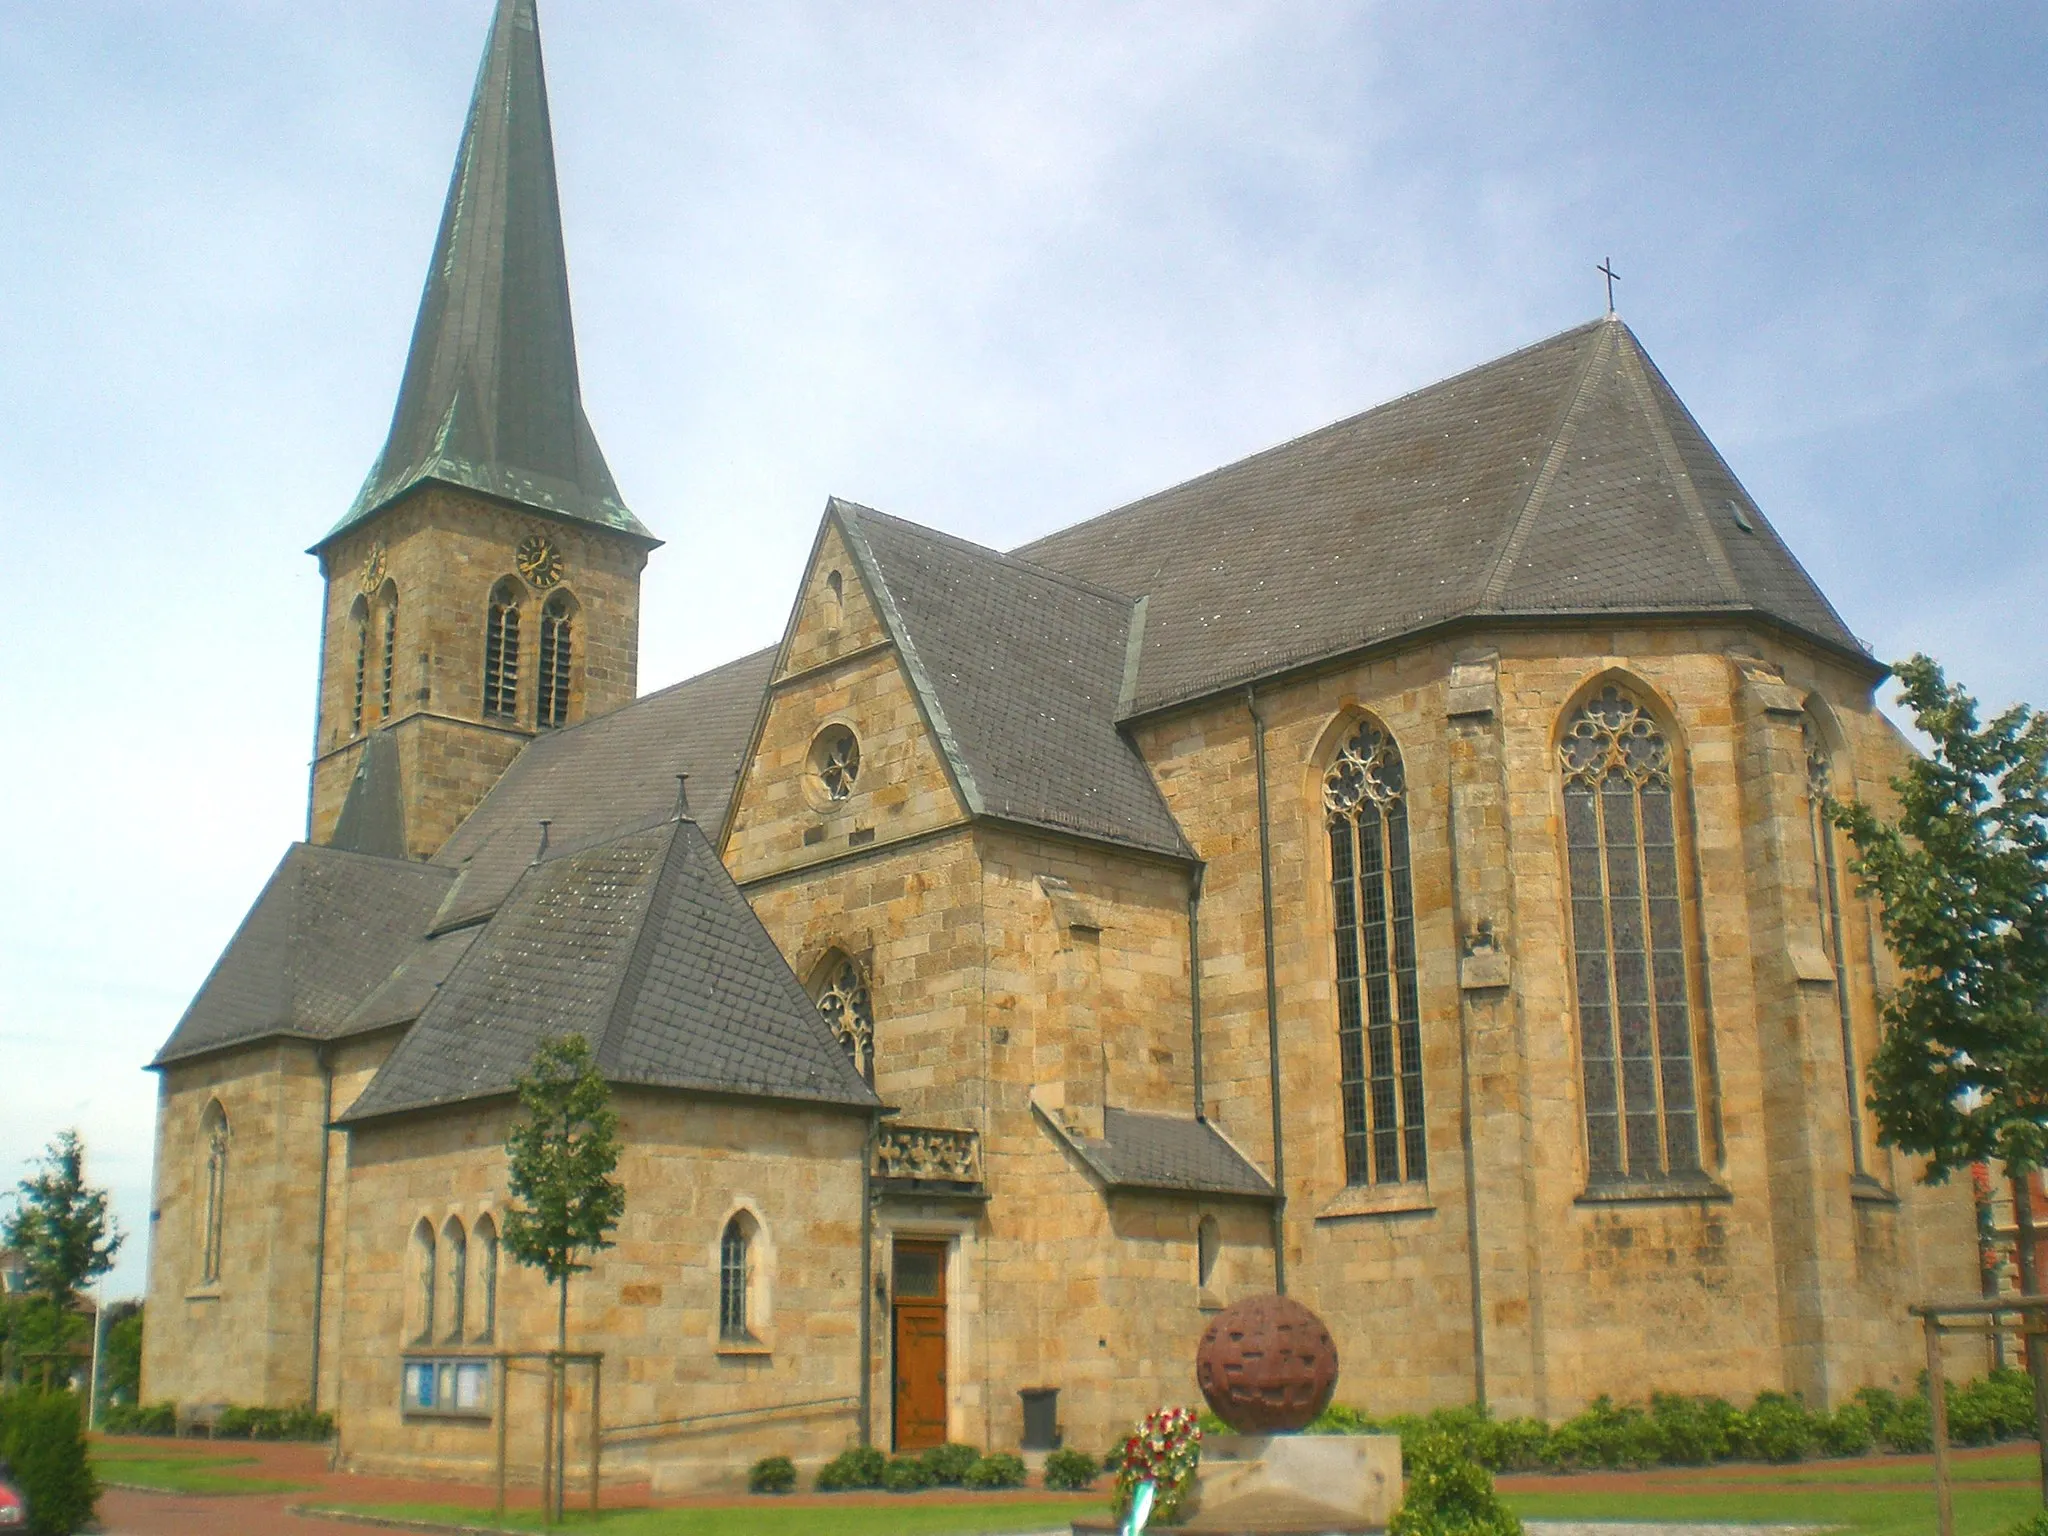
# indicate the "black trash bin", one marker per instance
pixel 1041 1418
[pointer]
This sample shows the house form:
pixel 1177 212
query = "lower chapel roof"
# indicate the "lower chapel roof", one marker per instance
pixel 1563 481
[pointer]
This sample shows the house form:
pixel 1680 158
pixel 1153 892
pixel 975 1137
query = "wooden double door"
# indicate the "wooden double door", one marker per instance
pixel 918 1344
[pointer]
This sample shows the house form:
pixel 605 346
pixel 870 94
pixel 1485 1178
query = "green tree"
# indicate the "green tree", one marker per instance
pixel 61 1226
pixel 562 1156
pixel 121 1354
pixel 1962 880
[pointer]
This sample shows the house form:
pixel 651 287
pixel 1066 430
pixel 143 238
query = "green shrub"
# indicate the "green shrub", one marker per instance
pixel 906 1474
pixel 772 1474
pixel 1333 1420
pixel 2035 1524
pixel 1904 1424
pixel 1996 1407
pixel 1071 1471
pixel 1605 1436
pixel 1449 1494
pixel 1512 1445
pixel 1849 1431
pixel 300 1423
pixel 136 1419
pixel 1691 1431
pixel 999 1470
pixel 945 1466
pixel 44 1441
pixel 860 1467
pixel 1774 1428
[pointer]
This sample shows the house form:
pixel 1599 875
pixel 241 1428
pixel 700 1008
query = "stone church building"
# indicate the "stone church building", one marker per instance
pixel 1387 868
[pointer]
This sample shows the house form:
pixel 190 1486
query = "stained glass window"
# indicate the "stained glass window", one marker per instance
pixel 1827 895
pixel 1628 932
pixel 1379 1023
pixel 732 1281
pixel 214 1126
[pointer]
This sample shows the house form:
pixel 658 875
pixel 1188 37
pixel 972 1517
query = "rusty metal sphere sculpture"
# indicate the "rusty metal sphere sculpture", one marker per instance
pixel 1267 1365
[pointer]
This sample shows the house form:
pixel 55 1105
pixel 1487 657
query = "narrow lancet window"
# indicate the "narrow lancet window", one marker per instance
pixel 425 1273
pixel 733 1262
pixel 1379 1016
pixel 1827 895
pixel 359 619
pixel 849 1009
pixel 501 652
pixel 455 1261
pixel 553 696
pixel 390 652
pixel 1628 932
pixel 486 1280
pixel 213 1128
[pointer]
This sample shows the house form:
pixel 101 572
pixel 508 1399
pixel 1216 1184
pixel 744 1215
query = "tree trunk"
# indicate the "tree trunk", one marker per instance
pixel 561 1398
pixel 2037 1347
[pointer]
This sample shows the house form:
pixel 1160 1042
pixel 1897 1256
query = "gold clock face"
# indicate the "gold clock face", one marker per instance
pixel 373 568
pixel 539 561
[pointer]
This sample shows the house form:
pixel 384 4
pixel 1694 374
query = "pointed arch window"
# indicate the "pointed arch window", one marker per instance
pixel 1827 895
pixel 359 621
pixel 848 1007
pixel 556 620
pixel 735 1279
pixel 501 651
pixel 455 1273
pixel 1628 935
pixel 213 1135
pixel 1379 1016
pixel 389 601
pixel 486 1244
pixel 425 1275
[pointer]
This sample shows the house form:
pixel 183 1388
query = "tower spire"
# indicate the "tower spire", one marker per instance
pixel 491 400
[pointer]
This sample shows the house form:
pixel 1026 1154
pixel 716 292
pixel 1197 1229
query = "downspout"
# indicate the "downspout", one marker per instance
pixel 320 1225
pixel 867 1279
pixel 1251 704
pixel 1474 1274
pixel 1195 979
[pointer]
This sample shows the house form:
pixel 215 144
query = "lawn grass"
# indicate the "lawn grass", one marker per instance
pixel 1866 1511
pixel 176 1473
pixel 767 1517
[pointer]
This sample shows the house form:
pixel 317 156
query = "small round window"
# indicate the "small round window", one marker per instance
pixel 835 761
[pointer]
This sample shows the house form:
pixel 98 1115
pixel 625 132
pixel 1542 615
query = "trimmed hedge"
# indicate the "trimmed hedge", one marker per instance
pixel 860 1467
pixel 42 1437
pixel 998 1470
pixel 300 1423
pixel 906 1474
pixel 135 1419
pixel 1071 1471
pixel 772 1474
pixel 946 1466
pixel 1673 1430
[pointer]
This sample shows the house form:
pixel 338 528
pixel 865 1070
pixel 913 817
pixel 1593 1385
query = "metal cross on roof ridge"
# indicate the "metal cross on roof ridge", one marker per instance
pixel 1606 267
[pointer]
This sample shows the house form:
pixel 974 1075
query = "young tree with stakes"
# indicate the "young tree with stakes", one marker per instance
pixel 61 1227
pixel 1962 879
pixel 562 1156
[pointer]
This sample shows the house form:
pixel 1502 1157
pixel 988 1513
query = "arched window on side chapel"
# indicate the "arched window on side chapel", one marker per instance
pixel 849 1009
pixel 1827 895
pixel 1628 934
pixel 213 1132
pixel 1379 1026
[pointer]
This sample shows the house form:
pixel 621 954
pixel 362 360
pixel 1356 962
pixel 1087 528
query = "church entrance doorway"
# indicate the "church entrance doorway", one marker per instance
pixel 918 1304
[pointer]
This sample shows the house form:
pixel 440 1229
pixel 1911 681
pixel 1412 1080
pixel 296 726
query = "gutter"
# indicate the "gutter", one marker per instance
pixel 1251 704
pixel 1195 979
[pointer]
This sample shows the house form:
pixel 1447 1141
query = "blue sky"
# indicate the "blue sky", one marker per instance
pixel 993 268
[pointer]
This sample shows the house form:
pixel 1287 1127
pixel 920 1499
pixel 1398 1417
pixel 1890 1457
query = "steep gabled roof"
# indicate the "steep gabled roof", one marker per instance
pixel 1164 1154
pixel 616 771
pixel 491 399
pixel 1564 479
pixel 1021 672
pixel 372 818
pixel 328 927
pixel 642 944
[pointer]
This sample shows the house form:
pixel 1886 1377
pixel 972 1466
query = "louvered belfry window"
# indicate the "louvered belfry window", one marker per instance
pixel 501 652
pixel 390 653
pixel 1628 932
pixel 553 695
pixel 1827 895
pixel 1379 1024
pixel 362 627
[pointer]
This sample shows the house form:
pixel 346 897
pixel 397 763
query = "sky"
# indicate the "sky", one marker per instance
pixel 993 268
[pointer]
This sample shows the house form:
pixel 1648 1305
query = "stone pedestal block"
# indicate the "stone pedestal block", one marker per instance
pixel 1265 1485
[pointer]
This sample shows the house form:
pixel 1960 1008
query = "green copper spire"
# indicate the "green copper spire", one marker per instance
pixel 491 400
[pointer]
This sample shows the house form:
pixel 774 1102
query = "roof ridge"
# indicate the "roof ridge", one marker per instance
pixel 1539 488
pixel 618 1011
pixel 1674 464
pixel 999 557
pixel 1303 437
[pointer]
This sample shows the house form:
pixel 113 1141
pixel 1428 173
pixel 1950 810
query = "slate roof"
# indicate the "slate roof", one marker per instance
pixel 1563 479
pixel 642 944
pixel 1172 1154
pixel 491 399
pixel 1021 672
pixel 618 770
pixel 372 816
pixel 328 927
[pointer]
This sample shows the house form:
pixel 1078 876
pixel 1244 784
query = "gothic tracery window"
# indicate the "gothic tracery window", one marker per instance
pixel 1379 1026
pixel 1827 895
pixel 848 1008
pixel 501 651
pixel 486 1280
pixel 735 1262
pixel 553 691
pixel 213 1126
pixel 425 1273
pixel 1628 931
pixel 455 1261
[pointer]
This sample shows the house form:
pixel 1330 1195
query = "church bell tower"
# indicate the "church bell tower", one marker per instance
pixel 484 587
